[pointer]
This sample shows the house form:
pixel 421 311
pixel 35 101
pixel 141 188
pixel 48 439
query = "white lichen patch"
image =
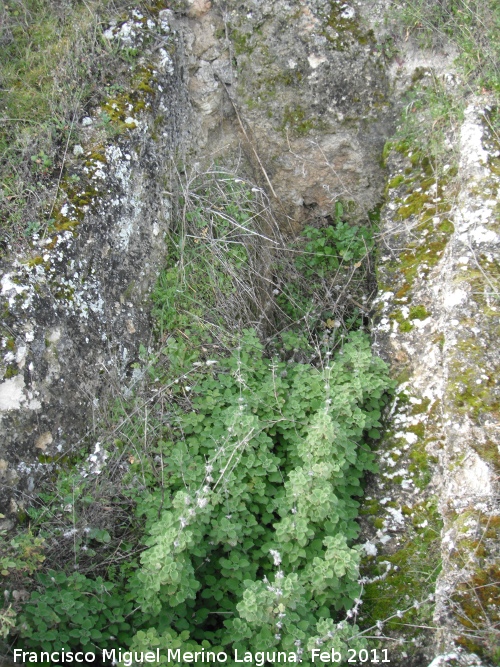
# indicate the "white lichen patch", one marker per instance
pixel 473 156
pixel 138 31
pixel 12 393
pixel 315 60
pixel 10 288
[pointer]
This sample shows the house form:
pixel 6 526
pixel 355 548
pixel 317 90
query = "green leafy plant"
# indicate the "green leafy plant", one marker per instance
pixel 112 129
pixel 74 611
pixel 328 278
pixel 7 621
pixel 33 227
pixel 262 478
pixel 42 162
pixel 328 247
pixel 262 470
pixel 23 554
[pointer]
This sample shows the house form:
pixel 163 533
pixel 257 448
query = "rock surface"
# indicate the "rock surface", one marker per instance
pixel 310 95
pixel 74 310
pixel 437 324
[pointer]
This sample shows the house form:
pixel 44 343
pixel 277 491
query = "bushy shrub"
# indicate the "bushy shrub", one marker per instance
pixel 249 537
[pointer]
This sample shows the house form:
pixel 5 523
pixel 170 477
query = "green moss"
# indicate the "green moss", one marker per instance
pixel 388 147
pixel 477 608
pixel 79 194
pixel 413 205
pixel 63 293
pixel 470 396
pixel 427 183
pixel 65 224
pixel 403 291
pixel 22 517
pixel 491 526
pixel 144 87
pixel 484 280
pixel 342 31
pixel 374 215
pixel 488 451
pixel 291 77
pixel 295 119
pixel 420 408
pixel 394 182
pixel 402 399
pixel 421 460
pixel 447 227
pixel 418 429
pixel 404 325
pixel 11 371
pixel 64 461
pixel 432 232
pixel 370 507
pixel 424 253
pixel 403 375
pixel 394 456
pixel 241 42
pixel 418 313
pixel 266 86
pixel 35 261
pixel 115 111
pixel 473 373
pixel 439 340
pixel 95 156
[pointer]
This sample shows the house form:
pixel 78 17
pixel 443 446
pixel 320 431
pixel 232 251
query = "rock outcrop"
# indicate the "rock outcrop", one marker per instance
pixel 437 324
pixel 75 308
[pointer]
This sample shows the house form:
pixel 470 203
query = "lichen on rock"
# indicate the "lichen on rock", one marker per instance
pixel 440 274
pixel 70 315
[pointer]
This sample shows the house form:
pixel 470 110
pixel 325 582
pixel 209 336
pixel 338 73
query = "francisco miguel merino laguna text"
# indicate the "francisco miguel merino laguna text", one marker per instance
pixel 129 658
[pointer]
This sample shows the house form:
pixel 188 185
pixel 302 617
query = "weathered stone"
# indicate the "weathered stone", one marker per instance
pixel 44 440
pixel 311 118
pixel 197 8
pixel 436 325
pixel 63 336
